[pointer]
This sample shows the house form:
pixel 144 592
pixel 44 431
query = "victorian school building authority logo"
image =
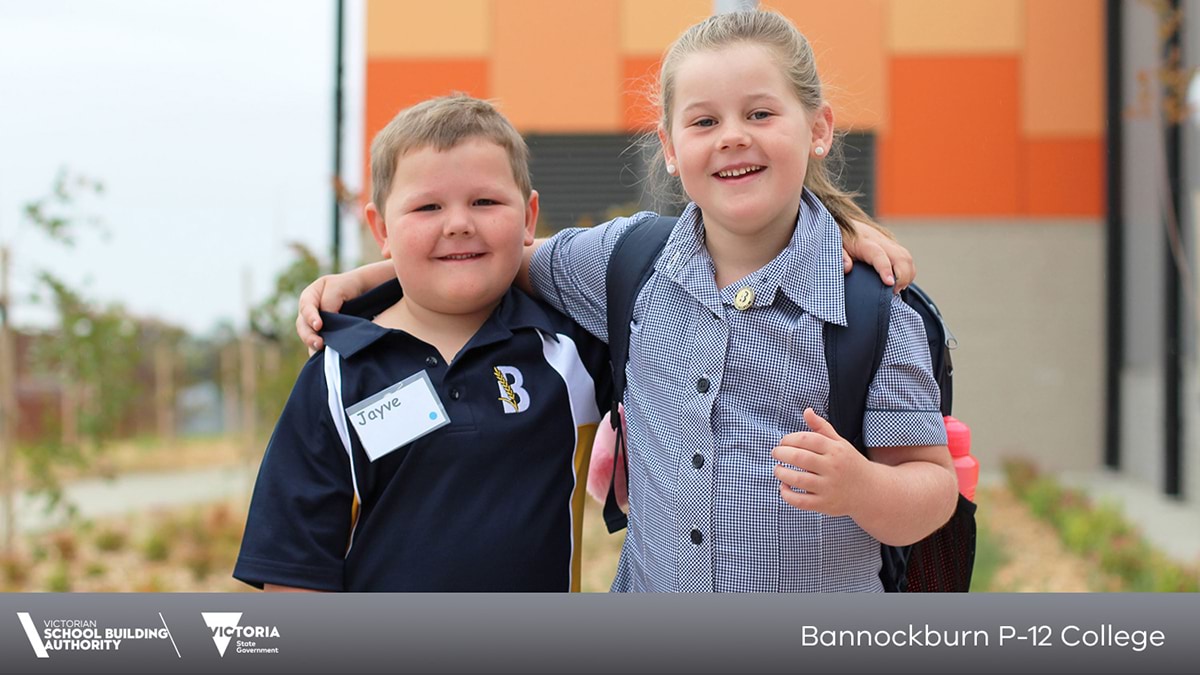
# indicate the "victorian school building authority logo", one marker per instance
pixel 225 626
pixel 86 635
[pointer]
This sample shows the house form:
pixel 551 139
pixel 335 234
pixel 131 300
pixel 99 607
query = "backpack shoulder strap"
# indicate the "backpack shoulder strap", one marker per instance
pixel 853 352
pixel 629 267
pixel 852 356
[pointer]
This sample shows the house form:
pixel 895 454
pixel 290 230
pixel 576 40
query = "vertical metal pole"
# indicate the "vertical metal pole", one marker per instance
pixel 248 365
pixel 725 6
pixel 1115 236
pixel 336 248
pixel 1172 361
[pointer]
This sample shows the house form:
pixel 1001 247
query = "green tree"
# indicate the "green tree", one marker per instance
pixel 274 322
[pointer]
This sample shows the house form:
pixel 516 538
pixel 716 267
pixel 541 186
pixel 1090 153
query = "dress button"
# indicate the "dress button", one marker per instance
pixel 455 394
pixel 702 385
pixel 697 538
pixel 698 460
pixel 431 361
pixel 744 299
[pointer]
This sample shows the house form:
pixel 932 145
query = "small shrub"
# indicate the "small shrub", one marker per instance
pixel 199 560
pixel 95 570
pixel 59 580
pixel 1101 533
pixel 109 540
pixel 1019 474
pixel 16 570
pixel 65 545
pixel 150 584
pixel 1042 496
pixel 1173 578
pixel 156 548
pixel 1077 532
pixel 196 527
pixel 989 558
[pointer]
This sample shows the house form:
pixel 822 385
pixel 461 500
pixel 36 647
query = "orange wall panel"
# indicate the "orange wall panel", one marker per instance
pixel 395 84
pixel 1064 176
pixel 850 54
pixel 1062 77
pixel 556 65
pixel 649 27
pixel 953 143
pixel 447 28
pixel 640 80
pixel 956 26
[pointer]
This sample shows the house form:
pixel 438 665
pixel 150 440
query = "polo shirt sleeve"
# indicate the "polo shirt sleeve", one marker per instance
pixel 903 401
pixel 299 523
pixel 594 354
pixel 568 271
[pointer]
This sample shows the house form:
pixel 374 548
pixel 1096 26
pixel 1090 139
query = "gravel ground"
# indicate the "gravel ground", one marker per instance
pixel 207 537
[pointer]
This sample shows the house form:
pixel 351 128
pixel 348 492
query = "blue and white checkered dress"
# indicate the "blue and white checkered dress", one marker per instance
pixel 711 390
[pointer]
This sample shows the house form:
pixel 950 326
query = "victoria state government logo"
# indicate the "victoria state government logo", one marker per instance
pixel 226 627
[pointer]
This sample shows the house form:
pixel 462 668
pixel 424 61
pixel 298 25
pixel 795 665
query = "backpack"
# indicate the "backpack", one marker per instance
pixel 943 561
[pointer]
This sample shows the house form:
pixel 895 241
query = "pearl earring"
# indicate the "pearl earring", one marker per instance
pixel 671 169
pixel 820 151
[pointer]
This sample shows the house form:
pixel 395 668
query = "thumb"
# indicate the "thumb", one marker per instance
pixel 820 425
pixel 847 262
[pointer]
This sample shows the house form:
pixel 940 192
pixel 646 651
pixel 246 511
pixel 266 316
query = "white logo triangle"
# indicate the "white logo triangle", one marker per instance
pixel 216 620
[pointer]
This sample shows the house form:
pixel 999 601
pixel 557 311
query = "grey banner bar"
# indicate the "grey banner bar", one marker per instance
pixel 598 633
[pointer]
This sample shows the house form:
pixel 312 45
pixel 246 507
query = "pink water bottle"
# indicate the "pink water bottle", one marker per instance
pixel 958 437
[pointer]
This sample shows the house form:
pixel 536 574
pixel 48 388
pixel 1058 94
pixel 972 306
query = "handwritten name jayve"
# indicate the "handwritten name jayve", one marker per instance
pixel 376 413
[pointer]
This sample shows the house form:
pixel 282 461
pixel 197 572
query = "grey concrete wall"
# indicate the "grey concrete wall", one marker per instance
pixel 1025 300
pixel 1145 173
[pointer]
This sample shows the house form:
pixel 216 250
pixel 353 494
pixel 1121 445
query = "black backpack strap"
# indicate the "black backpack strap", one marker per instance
pixel 629 268
pixel 852 357
pixel 941 341
pixel 853 352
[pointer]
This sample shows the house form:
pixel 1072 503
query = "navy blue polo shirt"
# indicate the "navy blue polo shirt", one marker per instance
pixel 492 501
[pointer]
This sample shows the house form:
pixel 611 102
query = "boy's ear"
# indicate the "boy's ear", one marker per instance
pixel 531 214
pixel 378 228
pixel 822 128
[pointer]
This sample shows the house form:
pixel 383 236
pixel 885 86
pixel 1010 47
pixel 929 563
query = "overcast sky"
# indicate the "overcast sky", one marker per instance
pixel 210 125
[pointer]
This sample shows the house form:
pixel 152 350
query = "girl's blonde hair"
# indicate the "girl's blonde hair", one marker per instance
pixel 795 56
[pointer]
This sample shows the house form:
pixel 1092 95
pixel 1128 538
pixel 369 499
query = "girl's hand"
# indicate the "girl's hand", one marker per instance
pixel 308 318
pixel 834 476
pixel 878 249
pixel 329 292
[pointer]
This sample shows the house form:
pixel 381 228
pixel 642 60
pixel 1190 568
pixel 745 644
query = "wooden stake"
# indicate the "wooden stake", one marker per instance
pixel 8 404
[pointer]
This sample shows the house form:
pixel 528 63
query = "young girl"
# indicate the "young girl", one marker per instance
pixel 736 480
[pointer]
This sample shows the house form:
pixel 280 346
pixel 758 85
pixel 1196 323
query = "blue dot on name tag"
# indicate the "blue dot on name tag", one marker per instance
pixel 433 415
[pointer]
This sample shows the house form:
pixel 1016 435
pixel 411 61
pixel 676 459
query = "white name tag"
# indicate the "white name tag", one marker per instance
pixel 398 415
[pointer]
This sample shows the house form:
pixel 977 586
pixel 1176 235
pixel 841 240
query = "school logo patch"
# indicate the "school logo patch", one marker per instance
pixel 513 396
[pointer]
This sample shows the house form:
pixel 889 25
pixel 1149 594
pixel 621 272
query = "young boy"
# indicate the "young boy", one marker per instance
pixel 440 441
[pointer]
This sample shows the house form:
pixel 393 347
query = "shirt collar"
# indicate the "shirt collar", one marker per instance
pixel 814 278
pixel 808 270
pixel 352 329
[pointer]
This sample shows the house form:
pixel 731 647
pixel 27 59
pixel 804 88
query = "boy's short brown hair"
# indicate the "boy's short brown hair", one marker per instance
pixel 442 123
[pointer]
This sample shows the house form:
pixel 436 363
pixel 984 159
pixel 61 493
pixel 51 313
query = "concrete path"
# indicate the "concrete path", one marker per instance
pixel 132 492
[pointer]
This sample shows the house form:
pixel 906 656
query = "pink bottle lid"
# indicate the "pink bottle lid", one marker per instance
pixel 958 437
